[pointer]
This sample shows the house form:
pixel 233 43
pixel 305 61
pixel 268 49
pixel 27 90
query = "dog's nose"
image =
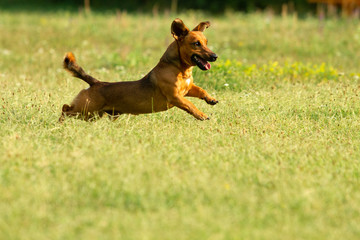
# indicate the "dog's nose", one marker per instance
pixel 213 57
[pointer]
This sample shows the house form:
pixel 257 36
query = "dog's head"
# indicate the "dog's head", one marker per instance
pixel 193 44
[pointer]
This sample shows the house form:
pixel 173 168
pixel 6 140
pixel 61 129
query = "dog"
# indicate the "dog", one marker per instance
pixel 164 87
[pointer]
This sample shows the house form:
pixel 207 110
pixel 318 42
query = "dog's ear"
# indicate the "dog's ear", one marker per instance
pixel 202 26
pixel 178 29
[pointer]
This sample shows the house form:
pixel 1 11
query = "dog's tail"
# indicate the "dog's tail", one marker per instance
pixel 71 66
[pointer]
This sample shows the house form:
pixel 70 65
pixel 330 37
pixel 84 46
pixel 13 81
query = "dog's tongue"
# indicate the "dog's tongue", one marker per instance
pixel 207 65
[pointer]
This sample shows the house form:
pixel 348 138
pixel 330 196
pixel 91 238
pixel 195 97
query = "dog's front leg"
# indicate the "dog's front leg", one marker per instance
pixel 189 107
pixel 198 92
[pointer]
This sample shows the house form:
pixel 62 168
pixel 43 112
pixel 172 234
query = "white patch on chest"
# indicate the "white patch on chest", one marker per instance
pixel 185 86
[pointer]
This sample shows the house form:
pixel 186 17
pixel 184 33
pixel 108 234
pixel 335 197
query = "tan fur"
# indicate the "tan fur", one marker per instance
pixel 164 87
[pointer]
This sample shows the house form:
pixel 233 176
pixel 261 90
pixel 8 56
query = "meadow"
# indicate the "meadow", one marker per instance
pixel 279 158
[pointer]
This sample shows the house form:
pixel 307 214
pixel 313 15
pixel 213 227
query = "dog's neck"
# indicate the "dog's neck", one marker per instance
pixel 172 56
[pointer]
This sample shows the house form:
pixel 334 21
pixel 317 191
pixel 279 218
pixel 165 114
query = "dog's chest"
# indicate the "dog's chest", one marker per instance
pixel 185 86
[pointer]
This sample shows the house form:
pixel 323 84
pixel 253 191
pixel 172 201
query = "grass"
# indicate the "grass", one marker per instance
pixel 279 158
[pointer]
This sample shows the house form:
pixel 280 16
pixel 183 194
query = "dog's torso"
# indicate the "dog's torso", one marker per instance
pixel 149 94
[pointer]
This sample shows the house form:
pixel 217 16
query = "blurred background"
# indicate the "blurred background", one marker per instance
pixel 301 7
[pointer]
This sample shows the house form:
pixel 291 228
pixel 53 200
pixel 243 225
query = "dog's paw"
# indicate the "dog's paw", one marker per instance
pixel 67 108
pixel 211 101
pixel 203 117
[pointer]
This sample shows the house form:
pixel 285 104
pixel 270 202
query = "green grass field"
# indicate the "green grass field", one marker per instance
pixel 279 158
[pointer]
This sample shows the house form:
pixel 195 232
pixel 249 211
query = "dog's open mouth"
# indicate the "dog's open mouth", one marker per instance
pixel 200 62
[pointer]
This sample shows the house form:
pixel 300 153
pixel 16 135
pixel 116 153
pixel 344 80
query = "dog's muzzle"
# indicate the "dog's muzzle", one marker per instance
pixel 202 63
pixel 213 57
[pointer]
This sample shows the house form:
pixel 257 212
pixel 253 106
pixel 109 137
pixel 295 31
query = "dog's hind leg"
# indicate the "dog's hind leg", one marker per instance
pixel 113 115
pixel 87 105
pixel 67 111
pixel 82 108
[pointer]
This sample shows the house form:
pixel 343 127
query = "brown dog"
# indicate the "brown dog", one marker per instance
pixel 163 87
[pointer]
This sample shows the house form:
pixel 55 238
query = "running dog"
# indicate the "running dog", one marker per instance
pixel 164 87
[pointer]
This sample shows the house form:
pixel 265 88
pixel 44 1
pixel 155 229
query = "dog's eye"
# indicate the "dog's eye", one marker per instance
pixel 197 43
